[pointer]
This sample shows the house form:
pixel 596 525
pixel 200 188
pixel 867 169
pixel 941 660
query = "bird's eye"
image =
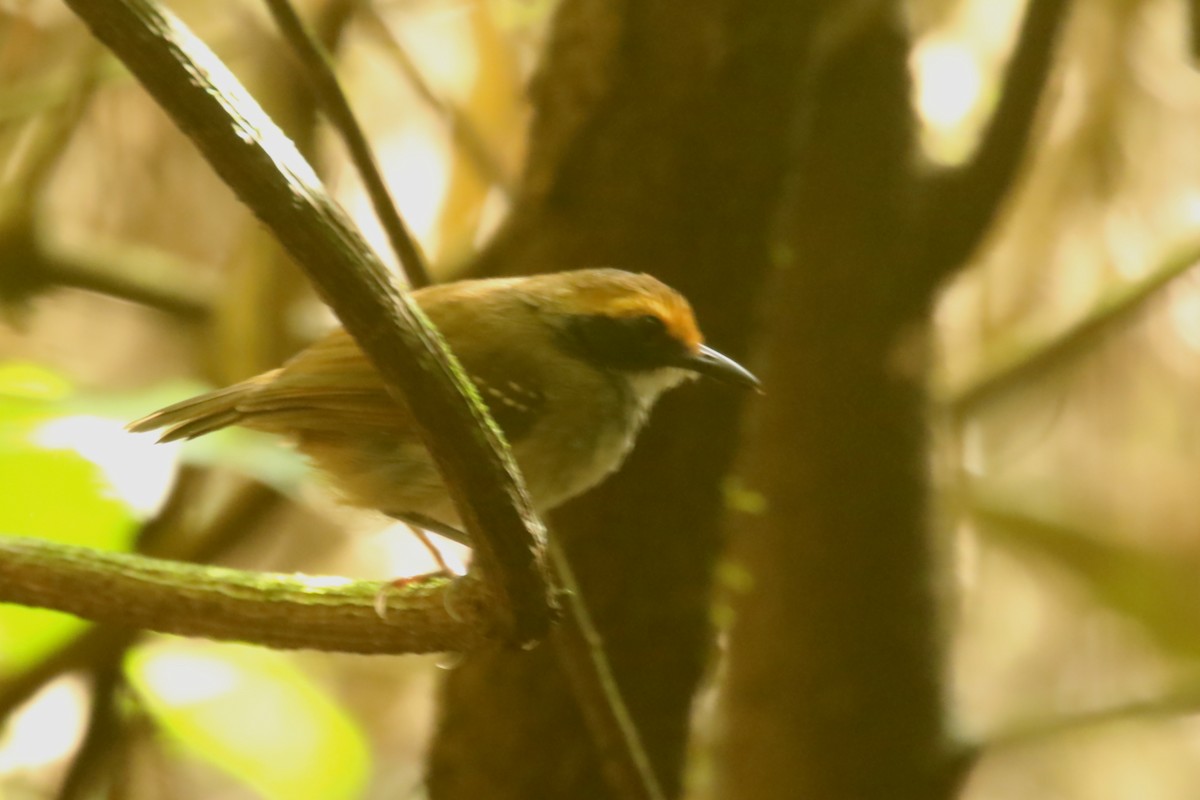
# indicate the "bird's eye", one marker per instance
pixel 633 342
pixel 649 325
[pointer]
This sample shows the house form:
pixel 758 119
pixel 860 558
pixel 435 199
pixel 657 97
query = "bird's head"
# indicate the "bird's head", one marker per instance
pixel 633 324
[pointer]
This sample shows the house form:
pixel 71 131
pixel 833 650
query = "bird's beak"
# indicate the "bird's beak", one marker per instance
pixel 706 361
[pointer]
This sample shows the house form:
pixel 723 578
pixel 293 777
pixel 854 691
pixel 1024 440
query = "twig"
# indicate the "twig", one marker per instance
pixel 335 105
pixel 281 611
pixel 964 202
pixel 48 147
pixel 89 647
pixel 32 263
pixel 139 275
pixel 1185 701
pixel 1194 27
pixel 256 160
pixel 1044 358
pixel 463 131
pixel 580 650
pixel 104 730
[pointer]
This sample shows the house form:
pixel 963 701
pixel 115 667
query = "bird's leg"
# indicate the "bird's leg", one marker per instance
pixel 433 551
pixel 419 524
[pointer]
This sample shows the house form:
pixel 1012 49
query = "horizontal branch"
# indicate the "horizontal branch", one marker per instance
pixel 137 274
pixel 281 611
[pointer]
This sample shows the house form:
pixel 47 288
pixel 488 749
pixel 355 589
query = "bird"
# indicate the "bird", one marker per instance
pixel 569 365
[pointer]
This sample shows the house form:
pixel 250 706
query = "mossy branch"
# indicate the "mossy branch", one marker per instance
pixel 281 611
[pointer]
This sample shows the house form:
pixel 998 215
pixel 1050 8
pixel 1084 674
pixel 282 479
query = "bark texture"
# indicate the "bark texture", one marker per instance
pixel 833 689
pixel 659 145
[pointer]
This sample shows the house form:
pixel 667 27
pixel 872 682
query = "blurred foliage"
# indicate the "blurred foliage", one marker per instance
pixel 63 497
pixel 252 713
pixel 1157 590
pixel 133 280
pixel 1074 583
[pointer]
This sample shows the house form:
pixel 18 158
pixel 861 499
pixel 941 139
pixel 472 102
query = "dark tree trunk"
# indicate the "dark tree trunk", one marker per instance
pixel 833 686
pixel 659 145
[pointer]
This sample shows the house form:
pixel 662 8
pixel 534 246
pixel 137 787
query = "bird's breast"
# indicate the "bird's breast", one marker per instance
pixel 581 440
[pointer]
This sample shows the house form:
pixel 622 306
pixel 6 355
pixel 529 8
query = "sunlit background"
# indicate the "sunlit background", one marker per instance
pixel 1066 390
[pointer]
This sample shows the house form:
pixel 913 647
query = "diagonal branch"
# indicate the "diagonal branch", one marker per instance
pixel 262 166
pixel 335 105
pixel 962 204
pixel 1030 364
pixel 462 130
pixel 1194 27
pixel 33 261
pixel 580 650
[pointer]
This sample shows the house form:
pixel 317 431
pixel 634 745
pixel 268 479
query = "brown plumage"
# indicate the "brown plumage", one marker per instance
pixel 568 363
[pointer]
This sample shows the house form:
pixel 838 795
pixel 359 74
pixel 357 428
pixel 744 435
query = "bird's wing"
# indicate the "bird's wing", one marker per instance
pixel 514 399
pixel 331 386
pixel 328 386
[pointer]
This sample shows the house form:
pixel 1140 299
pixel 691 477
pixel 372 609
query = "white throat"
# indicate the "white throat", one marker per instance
pixel 648 385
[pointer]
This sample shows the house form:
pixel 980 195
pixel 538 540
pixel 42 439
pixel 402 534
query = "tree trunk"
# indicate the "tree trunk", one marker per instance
pixel 833 682
pixel 659 145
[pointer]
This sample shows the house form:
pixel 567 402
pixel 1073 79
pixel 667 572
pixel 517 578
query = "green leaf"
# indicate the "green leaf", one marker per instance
pixel 59 496
pixel 71 473
pixel 253 714
pixel 53 492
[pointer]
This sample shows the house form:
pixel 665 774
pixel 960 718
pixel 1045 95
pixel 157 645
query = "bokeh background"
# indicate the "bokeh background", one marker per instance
pixel 1064 396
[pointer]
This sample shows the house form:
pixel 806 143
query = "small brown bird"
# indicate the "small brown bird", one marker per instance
pixel 569 365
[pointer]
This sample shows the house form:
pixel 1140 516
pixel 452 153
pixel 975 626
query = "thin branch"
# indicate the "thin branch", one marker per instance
pixel 104 730
pixel 1156 591
pixel 1182 702
pixel 95 644
pixel 257 161
pixel 335 105
pixel 51 142
pixel 462 130
pixel 964 202
pixel 32 263
pixel 281 611
pixel 140 275
pixel 580 650
pixel 1193 7
pixel 1043 359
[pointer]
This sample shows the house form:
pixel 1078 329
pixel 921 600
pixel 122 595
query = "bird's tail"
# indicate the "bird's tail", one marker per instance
pixel 199 415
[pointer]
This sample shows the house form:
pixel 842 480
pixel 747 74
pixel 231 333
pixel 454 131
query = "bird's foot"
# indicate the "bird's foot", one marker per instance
pixel 401 584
